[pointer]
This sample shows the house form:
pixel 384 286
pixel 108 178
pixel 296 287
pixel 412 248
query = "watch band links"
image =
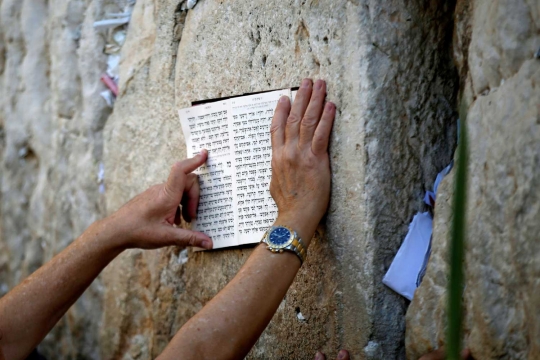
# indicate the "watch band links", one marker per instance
pixel 299 248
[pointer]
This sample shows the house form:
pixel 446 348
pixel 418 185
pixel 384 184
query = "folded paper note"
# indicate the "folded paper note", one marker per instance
pixel 405 272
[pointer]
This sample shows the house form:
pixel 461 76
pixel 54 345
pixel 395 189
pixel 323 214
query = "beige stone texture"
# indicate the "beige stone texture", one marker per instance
pixel 51 126
pixel 502 269
pixel 389 69
pixel 394 131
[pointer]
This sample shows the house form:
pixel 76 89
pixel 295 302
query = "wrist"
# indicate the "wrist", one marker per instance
pixel 105 236
pixel 304 227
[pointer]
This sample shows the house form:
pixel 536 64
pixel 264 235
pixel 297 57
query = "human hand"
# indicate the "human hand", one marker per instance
pixel 342 355
pixel 300 182
pixel 147 221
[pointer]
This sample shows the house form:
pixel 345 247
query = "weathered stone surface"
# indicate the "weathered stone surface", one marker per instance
pixel 502 268
pixel 388 68
pixel 393 133
pixel 51 124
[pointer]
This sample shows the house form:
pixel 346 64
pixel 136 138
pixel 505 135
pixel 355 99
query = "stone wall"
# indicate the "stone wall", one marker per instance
pixel 495 43
pixel 51 130
pixel 390 70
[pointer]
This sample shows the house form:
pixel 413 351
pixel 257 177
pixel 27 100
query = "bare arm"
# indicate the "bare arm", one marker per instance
pixel 229 325
pixel 30 310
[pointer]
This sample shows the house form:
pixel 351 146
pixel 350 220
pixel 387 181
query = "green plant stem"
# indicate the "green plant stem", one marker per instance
pixel 457 245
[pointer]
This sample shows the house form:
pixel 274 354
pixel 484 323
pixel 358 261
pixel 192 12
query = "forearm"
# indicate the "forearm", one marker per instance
pixel 229 325
pixel 30 310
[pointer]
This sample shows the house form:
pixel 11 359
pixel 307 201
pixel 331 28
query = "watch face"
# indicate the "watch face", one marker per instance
pixel 280 237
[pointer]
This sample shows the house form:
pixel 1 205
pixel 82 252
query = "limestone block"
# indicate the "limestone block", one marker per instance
pixel 504 35
pixel 502 267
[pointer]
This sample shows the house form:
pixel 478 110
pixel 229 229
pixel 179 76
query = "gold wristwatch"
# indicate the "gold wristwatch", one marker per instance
pixel 283 238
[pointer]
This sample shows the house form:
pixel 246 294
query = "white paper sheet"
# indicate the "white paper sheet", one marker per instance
pixel 235 205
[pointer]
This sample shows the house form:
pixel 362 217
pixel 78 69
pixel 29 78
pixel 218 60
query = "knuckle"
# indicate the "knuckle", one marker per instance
pixel 192 179
pixel 317 141
pixel 192 240
pixel 289 156
pixel 313 162
pixel 274 128
pixel 177 166
pixel 168 192
pixel 309 120
pixel 293 119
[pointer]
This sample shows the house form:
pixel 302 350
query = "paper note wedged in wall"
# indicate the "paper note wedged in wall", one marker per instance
pixel 409 265
pixel 404 274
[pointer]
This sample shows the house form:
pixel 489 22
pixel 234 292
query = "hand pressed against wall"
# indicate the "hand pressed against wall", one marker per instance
pixel 300 163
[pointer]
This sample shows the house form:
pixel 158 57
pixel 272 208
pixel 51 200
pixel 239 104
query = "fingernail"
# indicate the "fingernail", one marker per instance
pixel 330 106
pixel 319 84
pixel 284 99
pixel 319 356
pixel 207 244
pixel 306 83
pixel 342 354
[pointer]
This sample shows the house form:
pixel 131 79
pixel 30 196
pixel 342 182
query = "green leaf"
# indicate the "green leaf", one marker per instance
pixel 457 246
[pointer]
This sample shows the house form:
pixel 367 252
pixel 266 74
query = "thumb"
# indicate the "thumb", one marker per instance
pixel 184 237
pixel 177 177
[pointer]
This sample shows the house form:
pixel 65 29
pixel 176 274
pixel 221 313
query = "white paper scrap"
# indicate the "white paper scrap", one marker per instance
pixel 407 268
pixel 111 23
pixel 119 37
pixel 101 172
pixel 113 61
pixel 430 196
pixel 119 15
pixel 108 96
pixel 101 177
pixel 183 257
